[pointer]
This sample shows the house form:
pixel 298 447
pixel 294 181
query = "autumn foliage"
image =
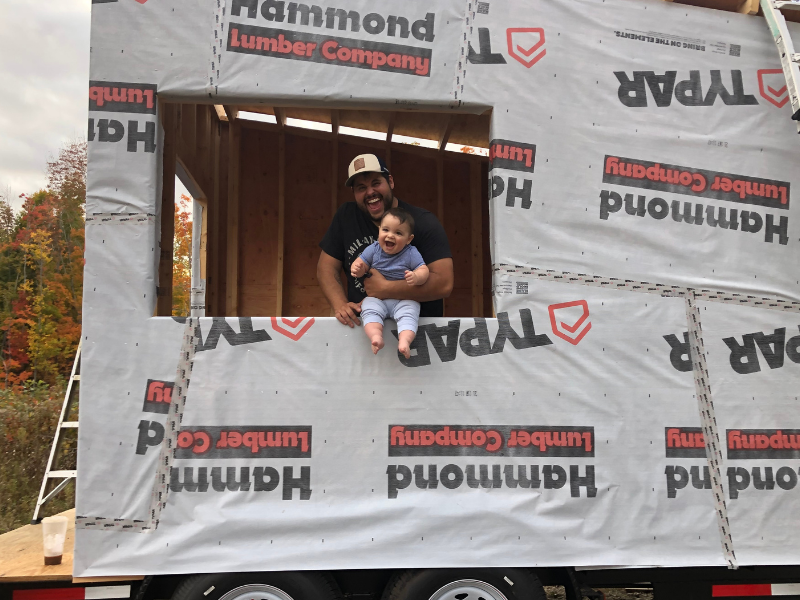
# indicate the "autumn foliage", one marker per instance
pixel 41 275
pixel 182 258
pixel 41 290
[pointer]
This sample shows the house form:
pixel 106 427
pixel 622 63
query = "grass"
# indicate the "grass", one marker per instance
pixel 28 419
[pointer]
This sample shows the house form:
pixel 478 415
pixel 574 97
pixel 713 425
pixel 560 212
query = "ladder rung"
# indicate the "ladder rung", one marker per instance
pixel 61 474
pixel 64 476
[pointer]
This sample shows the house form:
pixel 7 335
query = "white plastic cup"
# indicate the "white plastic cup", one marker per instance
pixel 54 533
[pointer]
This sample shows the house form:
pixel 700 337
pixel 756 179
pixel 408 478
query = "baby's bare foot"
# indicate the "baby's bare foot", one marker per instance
pixel 404 348
pixel 377 343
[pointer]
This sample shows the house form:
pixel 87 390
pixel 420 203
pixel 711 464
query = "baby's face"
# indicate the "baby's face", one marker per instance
pixel 393 235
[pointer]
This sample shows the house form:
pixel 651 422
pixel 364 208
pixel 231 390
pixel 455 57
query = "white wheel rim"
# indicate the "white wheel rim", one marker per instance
pixel 257 591
pixel 468 589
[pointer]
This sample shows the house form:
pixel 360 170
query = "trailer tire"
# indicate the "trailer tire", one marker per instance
pixel 465 584
pixel 278 585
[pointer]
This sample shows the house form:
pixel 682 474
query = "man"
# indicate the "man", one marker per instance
pixel 355 226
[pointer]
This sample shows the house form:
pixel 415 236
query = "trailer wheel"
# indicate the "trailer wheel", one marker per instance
pixel 465 584
pixel 279 585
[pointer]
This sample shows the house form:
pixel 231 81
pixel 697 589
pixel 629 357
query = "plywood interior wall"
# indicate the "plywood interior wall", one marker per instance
pixel 314 188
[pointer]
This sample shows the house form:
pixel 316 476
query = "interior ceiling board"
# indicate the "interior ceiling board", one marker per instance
pixel 371 120
pixel 426 125
pixel 471 130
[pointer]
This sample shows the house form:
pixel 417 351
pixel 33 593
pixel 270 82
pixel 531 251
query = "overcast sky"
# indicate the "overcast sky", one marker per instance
pixel 44 66
pixel 44 63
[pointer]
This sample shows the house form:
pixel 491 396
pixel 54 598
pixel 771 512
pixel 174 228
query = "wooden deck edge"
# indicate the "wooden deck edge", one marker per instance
pixel 107 579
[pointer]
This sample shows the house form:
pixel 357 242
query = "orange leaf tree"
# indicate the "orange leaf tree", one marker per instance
pixel 182 259
pixel 41 274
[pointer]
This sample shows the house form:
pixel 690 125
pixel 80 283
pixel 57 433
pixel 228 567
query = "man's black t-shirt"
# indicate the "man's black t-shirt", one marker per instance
pixel 351 231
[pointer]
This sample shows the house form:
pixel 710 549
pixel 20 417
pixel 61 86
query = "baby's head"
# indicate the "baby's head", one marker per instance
pixel 396 230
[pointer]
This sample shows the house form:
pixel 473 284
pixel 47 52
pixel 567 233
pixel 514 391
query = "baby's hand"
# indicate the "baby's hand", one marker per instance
pixel 358 268
pixel 417 277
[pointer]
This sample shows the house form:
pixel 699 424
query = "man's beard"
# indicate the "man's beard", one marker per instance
pixel 388 201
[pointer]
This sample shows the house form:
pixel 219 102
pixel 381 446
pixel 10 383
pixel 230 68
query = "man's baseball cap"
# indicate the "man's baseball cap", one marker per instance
pixel 365 163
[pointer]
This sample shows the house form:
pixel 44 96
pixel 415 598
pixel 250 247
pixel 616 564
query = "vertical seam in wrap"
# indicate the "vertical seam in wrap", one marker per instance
pixel 158 497
pixel 461 60
pixel 215 48
pixel 697 354
pixel 708 421
pixel 166 456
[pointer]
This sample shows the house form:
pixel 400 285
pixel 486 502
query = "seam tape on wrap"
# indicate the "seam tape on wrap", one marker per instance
pixel 120 218
pixel 702 384
pixel 649 288
pixel 158 497
pixel 216 46
pixel 461 60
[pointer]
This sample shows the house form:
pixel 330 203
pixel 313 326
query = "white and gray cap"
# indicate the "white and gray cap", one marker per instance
pixel 365 163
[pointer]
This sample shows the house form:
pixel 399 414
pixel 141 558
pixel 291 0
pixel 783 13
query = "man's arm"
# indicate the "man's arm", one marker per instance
pixel 329 275
pixel 439 284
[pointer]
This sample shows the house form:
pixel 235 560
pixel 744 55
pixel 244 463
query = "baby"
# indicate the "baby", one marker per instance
pixel 394 258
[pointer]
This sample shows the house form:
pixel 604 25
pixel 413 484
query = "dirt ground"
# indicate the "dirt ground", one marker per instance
pixel 557 593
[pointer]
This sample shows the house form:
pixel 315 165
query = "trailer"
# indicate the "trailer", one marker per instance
pixel 608 400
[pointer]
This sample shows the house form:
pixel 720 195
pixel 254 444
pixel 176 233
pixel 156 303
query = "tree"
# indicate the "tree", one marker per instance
pixel 7 219
pixel 41 274
pixel 182 259
pixel 66 175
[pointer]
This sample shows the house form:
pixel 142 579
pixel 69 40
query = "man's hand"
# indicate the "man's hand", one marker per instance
pixel 359 268
pixel 329 272
pixel 377 286
pixel 439 284
pixel 346 313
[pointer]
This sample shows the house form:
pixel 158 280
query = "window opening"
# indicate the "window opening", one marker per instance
pixel 257 187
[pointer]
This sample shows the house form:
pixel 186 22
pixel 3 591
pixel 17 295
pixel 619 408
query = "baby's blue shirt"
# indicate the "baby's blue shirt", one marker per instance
pixel 392 266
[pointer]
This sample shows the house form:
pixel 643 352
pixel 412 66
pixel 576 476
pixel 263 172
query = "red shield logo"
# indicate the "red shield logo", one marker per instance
pixel 575 323
pixel 772 86
pixel 524 43
pixel 294 329
pixel 141 1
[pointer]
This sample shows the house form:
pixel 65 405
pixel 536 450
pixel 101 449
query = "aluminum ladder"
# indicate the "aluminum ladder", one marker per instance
pixel 51 472
pixel 790 60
